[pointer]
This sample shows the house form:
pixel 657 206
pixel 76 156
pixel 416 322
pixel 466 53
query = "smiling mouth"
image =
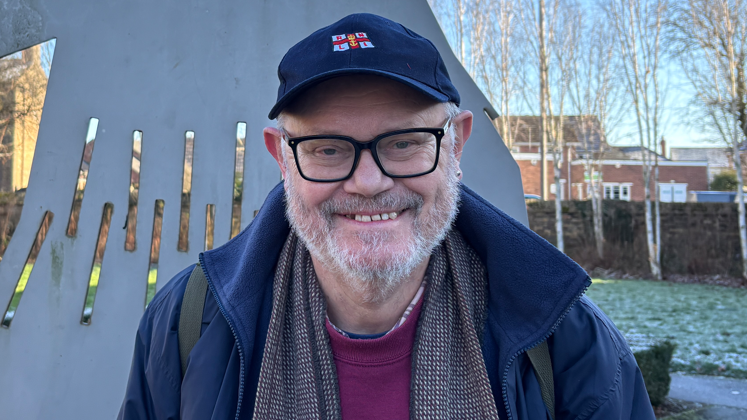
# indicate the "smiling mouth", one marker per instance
pixel 365 218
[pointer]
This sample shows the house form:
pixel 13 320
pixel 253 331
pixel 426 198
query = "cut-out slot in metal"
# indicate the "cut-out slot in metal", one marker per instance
pixel 155 251
pixel 41 234
pixel 98 259
pixel 131 223
pixel 189 147
pixel 23 88
pixel 80 188
pixel 238 179
pixel 209 226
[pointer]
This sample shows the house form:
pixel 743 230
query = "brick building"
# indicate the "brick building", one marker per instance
pixel 719 158
pixel 621 168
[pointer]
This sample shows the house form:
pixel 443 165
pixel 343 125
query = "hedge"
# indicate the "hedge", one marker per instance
pixel 654 363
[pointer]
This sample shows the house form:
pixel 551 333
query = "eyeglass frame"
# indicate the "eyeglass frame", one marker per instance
pixel 370 145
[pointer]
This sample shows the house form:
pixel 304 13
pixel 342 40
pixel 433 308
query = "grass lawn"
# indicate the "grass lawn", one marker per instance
pixel 708 323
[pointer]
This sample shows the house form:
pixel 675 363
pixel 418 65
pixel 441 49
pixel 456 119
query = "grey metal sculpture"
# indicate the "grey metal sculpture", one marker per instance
pixel 157 73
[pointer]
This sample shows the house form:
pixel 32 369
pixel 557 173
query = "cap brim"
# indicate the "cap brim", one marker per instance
pixel 301 87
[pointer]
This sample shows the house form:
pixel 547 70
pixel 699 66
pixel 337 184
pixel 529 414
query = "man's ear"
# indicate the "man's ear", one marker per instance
pixel 274 145
pixel 462 129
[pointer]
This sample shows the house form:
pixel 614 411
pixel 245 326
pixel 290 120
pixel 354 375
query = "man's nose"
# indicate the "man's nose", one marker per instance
pixel 367 180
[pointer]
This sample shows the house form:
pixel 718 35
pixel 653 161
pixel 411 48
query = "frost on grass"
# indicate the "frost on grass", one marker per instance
pixel 708 323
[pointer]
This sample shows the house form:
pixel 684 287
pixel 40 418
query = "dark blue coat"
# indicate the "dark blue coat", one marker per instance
pixel 535 293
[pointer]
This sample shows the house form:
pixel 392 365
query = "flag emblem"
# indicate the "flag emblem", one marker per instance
pixel 345 42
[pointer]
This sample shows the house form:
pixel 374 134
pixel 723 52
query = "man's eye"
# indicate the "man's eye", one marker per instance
pixel 401 145
pixel 329 152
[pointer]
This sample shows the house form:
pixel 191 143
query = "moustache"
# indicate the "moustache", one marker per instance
pixel 386 200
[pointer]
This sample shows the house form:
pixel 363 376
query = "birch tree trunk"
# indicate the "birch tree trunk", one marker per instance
pixel 597 208
pixel 543 98
pixel 558 210
pixel 657 200
pixel 563 40
pixel 736 66
pixel 740 206
pixel 597 101
pixel 638 25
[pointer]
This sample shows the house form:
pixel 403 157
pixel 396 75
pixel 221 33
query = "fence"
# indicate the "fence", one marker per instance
pixel 697 238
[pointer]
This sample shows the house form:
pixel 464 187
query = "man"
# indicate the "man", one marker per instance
pixel 372 284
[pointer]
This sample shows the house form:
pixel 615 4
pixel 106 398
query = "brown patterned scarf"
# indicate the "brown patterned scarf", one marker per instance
pixel 298 379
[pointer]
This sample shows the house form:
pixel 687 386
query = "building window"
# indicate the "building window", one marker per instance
pixel 617 191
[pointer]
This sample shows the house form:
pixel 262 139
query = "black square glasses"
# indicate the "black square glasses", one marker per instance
pixel 404 153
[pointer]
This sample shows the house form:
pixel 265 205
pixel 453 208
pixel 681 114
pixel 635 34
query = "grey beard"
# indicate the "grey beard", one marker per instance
pixel 375 282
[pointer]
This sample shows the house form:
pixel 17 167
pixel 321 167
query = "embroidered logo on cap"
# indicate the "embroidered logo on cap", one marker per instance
pixel 346 42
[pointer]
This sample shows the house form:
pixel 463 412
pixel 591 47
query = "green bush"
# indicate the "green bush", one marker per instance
pixel 654 364
pixel 725 181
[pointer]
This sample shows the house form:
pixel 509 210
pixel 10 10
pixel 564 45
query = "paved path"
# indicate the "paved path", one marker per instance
pixel 709 390
pixel 719 413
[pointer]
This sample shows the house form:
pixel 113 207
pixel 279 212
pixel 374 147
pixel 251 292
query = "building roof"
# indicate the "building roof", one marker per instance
pixel 526 129
pixel 717 157
pixel 632 153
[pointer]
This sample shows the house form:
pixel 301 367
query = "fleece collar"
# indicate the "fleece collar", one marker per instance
pixel 531 283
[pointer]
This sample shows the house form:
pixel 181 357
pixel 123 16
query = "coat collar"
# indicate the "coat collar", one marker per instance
pixel 531 283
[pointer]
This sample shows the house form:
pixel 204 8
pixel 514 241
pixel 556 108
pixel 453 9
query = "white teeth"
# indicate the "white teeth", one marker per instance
pixel 373 218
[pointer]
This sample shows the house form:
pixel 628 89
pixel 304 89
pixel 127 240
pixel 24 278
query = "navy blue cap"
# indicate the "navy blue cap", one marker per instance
pixel 364 44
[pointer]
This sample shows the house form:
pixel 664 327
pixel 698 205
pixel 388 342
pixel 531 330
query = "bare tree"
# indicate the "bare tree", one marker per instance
pixel 553 38
pixel 484 35
pixel 23 85
pixel 537 21
pixel 496 59
pixel 454 17
pixel 564 42
pixel 543 70
pixel 508 60
pixel 595 98
pixel 638 30
pixel 710 38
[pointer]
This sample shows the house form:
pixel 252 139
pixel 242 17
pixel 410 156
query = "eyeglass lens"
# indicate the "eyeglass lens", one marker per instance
pixel 400 155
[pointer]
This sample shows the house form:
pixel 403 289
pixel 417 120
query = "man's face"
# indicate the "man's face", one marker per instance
pixel 374 255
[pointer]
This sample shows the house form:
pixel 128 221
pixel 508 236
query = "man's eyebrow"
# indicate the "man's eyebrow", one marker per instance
pixel 333 129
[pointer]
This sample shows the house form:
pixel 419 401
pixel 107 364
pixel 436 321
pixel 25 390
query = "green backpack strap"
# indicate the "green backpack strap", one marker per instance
pixel 540 358
pixel 190 319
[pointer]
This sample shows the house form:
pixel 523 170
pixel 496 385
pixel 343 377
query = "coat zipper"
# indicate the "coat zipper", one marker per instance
pixel 235 337
pixel 504 382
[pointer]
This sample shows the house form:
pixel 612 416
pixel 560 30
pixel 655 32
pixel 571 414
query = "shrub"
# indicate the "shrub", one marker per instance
pixel 725 181
pixel 654 364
